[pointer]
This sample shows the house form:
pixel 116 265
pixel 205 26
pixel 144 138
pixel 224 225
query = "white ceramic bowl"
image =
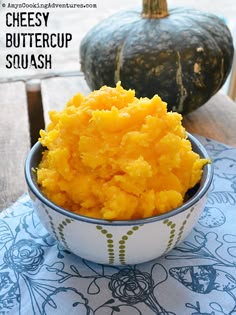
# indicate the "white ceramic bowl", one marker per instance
pixel 118 242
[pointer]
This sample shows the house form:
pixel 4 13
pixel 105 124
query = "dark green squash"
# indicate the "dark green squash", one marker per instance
pixel 183 55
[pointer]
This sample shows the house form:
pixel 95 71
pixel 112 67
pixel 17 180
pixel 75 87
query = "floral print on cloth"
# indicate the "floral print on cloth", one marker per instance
pixel 198 277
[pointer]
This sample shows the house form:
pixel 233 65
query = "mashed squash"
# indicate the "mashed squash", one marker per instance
pixel 113 156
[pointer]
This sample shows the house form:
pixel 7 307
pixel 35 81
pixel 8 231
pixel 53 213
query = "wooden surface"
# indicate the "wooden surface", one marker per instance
pixel 14 141
pixel 56 92
pixel 216 119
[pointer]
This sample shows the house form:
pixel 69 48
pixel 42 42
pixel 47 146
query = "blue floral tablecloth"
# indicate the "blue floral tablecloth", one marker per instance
pixel 37 276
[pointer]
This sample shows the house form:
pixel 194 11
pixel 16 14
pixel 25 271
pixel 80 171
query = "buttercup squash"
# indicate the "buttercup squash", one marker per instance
pixel 182 54
pixel 113 156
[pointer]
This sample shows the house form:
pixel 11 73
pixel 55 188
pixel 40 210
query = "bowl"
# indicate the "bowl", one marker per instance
pixel 119 242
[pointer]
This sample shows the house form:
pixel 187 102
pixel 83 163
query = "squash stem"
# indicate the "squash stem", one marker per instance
pixel 154 9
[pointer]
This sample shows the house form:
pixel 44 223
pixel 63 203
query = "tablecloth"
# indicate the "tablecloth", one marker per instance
pixel 38 276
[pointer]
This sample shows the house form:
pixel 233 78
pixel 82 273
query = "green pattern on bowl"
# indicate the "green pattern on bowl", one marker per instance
pixel 111 253
pixel 53 228
pixel 183 225
pixel 173 233
pixel 61 227
pixel 171 225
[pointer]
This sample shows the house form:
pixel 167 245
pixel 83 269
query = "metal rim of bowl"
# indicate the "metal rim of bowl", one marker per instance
pixel 203 189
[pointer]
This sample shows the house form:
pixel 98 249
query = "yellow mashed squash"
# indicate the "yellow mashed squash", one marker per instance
pixel 113 156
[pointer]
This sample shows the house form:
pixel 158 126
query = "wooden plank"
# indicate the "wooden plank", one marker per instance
pixel 232 78
pixel 56 92
pixel 35 110
pixel 216 119
pixel 14 141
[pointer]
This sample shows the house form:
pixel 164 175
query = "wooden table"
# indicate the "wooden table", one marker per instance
pixel 216 119
pixel 14 141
